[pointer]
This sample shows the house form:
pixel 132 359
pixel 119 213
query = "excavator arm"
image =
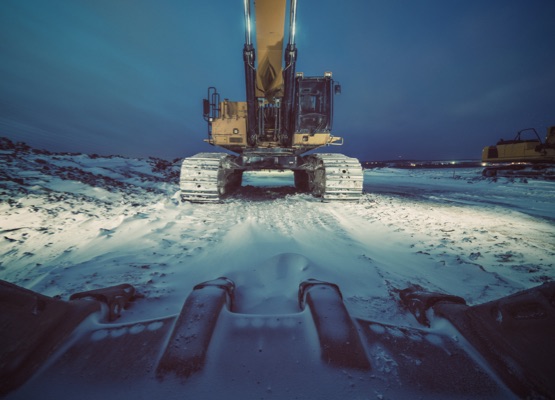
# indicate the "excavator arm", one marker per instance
pixel 270 80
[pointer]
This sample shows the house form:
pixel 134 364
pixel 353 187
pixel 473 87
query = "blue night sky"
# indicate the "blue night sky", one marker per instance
pixel 421 79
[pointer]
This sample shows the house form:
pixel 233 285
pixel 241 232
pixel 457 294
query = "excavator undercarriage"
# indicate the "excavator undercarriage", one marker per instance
pixel 206 177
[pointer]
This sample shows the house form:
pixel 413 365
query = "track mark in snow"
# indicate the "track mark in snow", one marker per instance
pixel 440 244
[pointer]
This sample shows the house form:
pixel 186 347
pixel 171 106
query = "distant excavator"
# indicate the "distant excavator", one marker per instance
pixel 525 151
pixel 285 115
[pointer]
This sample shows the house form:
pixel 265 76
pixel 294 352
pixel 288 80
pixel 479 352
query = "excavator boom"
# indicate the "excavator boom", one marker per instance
pixel 270 15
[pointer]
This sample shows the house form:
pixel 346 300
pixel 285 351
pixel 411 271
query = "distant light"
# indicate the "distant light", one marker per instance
pixel 327 74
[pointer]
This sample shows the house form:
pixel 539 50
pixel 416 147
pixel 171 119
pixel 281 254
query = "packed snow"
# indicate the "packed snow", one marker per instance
pixel 75 222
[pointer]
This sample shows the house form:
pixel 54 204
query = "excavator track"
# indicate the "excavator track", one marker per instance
pixel 199 177
pixel 336 177
pixel 206 177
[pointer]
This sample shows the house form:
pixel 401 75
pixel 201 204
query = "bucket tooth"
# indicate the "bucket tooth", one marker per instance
pixel 339 339
pixel 186 350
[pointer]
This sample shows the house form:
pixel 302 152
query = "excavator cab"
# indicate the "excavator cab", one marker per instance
pixel 314 104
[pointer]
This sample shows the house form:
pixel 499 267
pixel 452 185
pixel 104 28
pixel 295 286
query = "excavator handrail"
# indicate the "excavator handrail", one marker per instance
pixel 518 139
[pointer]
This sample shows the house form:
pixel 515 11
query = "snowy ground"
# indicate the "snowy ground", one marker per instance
pixel 71 223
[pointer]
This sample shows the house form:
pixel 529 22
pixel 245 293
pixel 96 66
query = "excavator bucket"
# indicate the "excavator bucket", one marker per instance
pixel 71 349
pixel 33 327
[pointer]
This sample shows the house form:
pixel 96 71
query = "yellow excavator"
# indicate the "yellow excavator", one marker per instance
pixel 285 115
pixel 525 151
